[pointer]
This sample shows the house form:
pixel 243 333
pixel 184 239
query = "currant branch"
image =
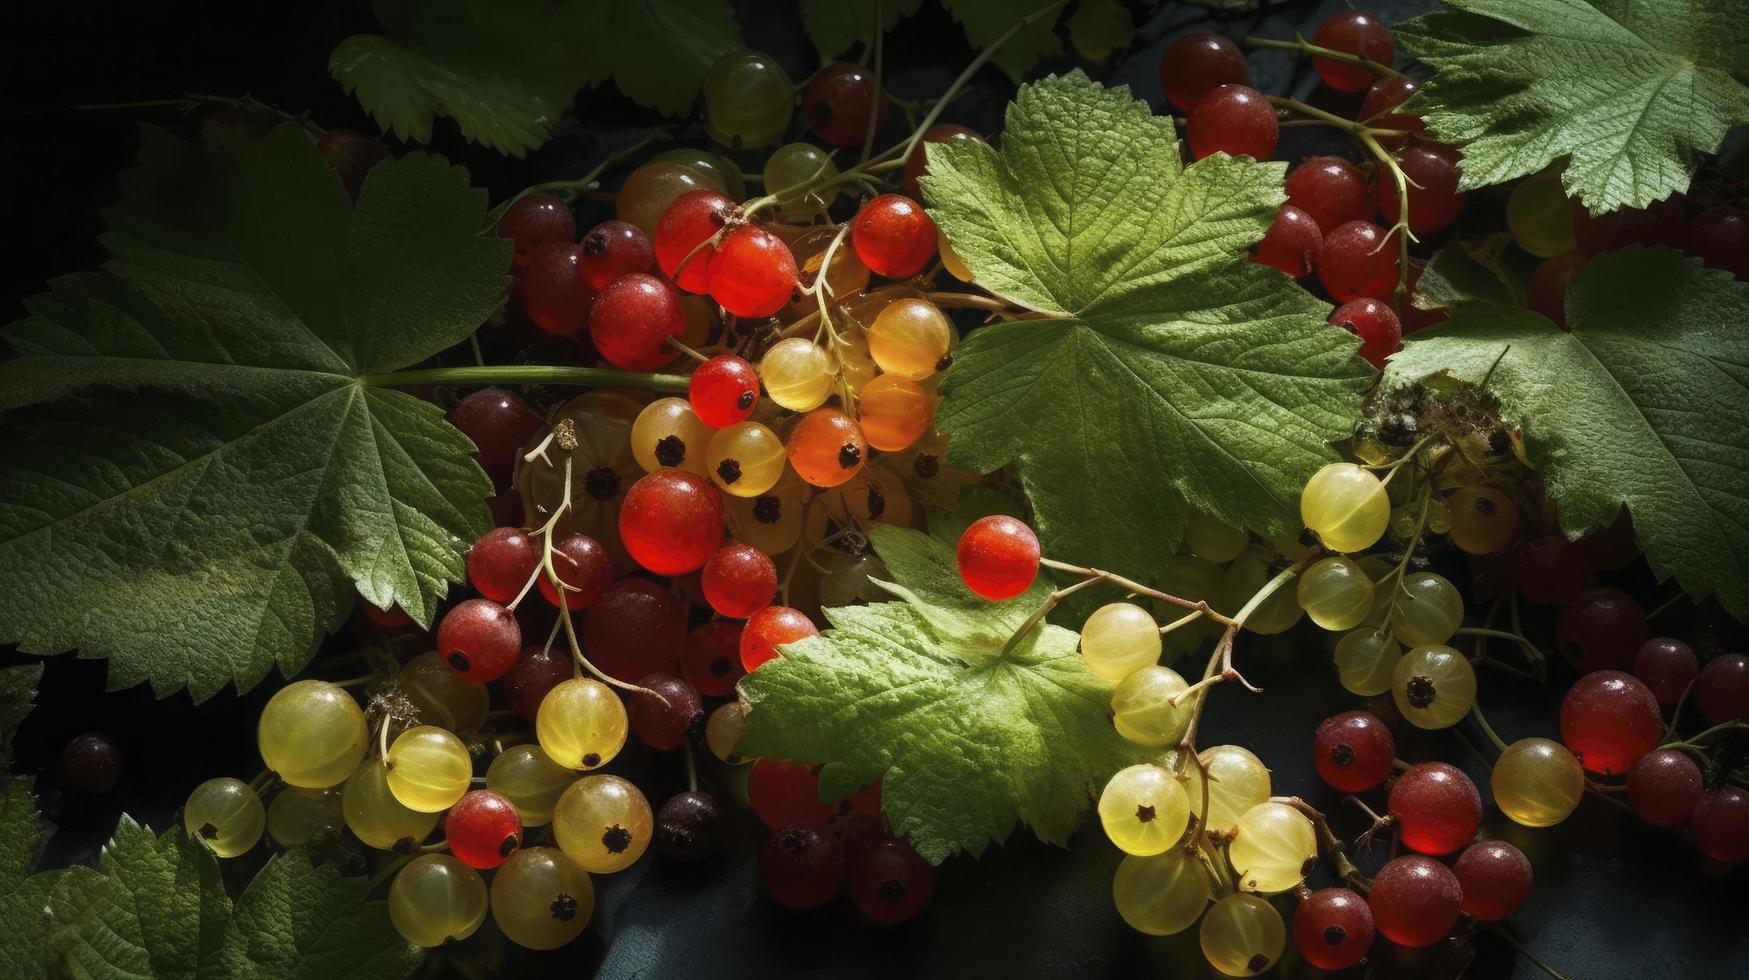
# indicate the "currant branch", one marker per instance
pixel 1305 48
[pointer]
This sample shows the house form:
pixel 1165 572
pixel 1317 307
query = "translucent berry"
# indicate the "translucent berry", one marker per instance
pixel 613 249
pixel 479 639
pixel 483 828
pixel 671 521
pixel 770 628
pixel 1291 244
pixel 632 320
pixel 1197 63
pixel 998 557
pixel 1234 119
pixel 893 236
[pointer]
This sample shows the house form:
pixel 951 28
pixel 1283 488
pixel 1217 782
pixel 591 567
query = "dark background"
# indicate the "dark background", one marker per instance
pixel 1613 897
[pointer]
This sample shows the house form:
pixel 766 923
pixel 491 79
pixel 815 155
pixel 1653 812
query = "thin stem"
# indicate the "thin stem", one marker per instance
pixel 1535 655
pixel 521 374
pixel 1043 610
pixel 675 343
pixel 691 769
pixel 1305 47
pixel 874 99
pixel 1183 620
pixel 1328 843
pixel 1694 741
pixel 1666 604
pixel 1487 729
pixel 388 871
pixel 1137 588
pixel 569 190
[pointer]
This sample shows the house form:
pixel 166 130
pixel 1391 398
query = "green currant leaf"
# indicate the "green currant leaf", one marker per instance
pixel 986 20
pixel 165 914
pixel 926 575
pixel 226 478
pixel 966 742
pixel 1100 29
pixel 1645 404
pixel 17 697
pixel 40 908
pixel 506 70
pixel 1163 366
pixel 837 25
pixel 1628 92
pixel 1482 269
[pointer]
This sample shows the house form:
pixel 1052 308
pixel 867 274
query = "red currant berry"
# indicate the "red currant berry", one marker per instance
pixel 889 883
pixel 681 234
pixel 739 580
pixel 724 390
pixel 1196 63
pixel 1331 190
pixel 502 562
pixel 893 236
pixel 826 448
pixel 1495 878
pixel 90 764
pixel 1380 332
pixel 689 827
pixel 1664 786
pixel 1600 630
pixel 1434 198
pixel 479 639
pixel 1352 32
pixel 668 720
pixel 783 793
pixel 1721 692
pixel 1609 719
pixel 671 521
pixel 1353 751
pixel 752 273
pixel 536 671
pixel 632 320
pixel 1437 808
pixel 613 249
pixel 1659 223
pixel 1359 259
pixel 1546 292
pixel 500 424
pixel 551 290
pixel 1291 244
pixel 1333 928
pixel 635 628
pixel 998 557
pixel 801 867
pixel 1386 94
pixel 1549 570
pixel 482 829
pixel 584 567
pixel 839 101
pixel 533 220
pixel 1234 119
pixel 351 155
pixel 711 662
pixel 1415 901
pixel 1666 666
pixel 770 628
pixel 394 618
pixel 1719 238
pixel 1721 824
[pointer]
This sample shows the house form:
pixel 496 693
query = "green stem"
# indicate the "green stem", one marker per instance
pixel 1487 729
pixel 525 374
pixel 1305 47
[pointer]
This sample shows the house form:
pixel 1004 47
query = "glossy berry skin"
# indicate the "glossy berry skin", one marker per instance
pixel 1331 190
pixel 893 236
pixel 637 626
pixel 1437 807
pixel 1352 32
pixel 533 220
pixel 1234 119
pixel 499 424
pixel 501 563
pixel 1197 63
pixel 770 628
pixel 724 390
pixel 784 793
pixel 671 521
pixel 839 101
pixel 680 234
pixel 583 565
pixel 1659 223
pixel 917 162
pixel 536 671
pixel 483 829
pixel 1666 666
pixel 1664 786
pixel 826 448
pixel 689 827
pixel 1353 751
pixel 632 320
pixel 1359 259
pixel 90 764
pixel 739 580
pixel 666 725
pixel 1373 320
pixel 998 557
pixel 1721 824
pixel 551 290
pixel 1432 172
pixel 801 867
pixel 1386 94
pixel 1495 878
pixel 1601 629
pixel 711 662
pixel 1333 928
pixel 613 249
pixel 1719 238
pixel 479 639
pixel 752 273
pixel 1415 901
pixel 1291 244
pixel 1721 692
pixel 1609 719
pixel 1546 292
pixel 889 883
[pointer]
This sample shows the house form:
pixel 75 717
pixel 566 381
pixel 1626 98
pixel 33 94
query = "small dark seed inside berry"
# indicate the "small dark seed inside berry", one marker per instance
pixel 1258 963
